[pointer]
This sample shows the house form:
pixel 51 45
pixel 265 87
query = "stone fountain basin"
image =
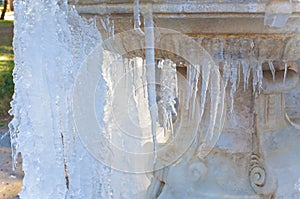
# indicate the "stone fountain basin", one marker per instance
pixel 233 21
pixel 198 16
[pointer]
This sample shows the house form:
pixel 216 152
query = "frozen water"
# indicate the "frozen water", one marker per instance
pixel 108 25
pixel 205 74
pixel 137 18
pixel 246 73
pixel 285 71
pixel 193 73
pixel 168 86
pixel 150 74
pixel 233 81
pixel 48 62
pixel 37 65
pixel 272 69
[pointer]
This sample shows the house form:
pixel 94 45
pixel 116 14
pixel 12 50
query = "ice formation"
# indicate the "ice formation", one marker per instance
pixel 51 43
pixel 137 19
pixel 108 25
pixel 169 93
pixel 150 74
pixel 47 62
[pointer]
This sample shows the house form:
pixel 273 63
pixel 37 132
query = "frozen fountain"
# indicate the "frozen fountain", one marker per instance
pixel 157 99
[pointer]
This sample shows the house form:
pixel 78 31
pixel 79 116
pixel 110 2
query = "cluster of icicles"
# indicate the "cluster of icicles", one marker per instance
pixel 47 60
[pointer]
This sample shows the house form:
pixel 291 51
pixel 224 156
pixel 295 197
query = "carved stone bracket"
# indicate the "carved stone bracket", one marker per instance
pixel 257 171
pixel 260 179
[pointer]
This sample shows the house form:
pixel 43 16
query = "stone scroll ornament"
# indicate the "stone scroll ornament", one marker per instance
pixel 257 173
pixel 260 178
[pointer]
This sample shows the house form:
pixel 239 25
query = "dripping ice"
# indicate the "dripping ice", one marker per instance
pixel 34 133
pixel 168 89
pixel 137 19
pixel 47 139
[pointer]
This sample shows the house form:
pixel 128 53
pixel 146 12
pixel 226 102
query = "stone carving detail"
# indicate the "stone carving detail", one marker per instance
pixel 257 174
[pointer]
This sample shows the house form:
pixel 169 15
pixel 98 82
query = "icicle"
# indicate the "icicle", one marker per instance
pixel 195 88
pixel 103 23
pixel 238 74
pixel 189 89
pixel 285 70
pixel 125 63
pixel 233 81
pixel 193 73
pixel 256 67
pixel 144 80
pixel 108 25
pixel 128 74
pixel 214 100
pixel 216 110
pixel 112 28
pixel 188 74
pixel 205 74
pixel 272 69
pixel 168 92
pixel 133 65
pixel 137 18
pixel 247 45
pixel 164 95
pixel 259 76
pixel 171 125
pixel 226 73
pixel 150 74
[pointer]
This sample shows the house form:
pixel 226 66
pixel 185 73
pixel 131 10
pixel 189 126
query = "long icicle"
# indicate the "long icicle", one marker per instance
pixel 168 93
pixel 164 95
pixel 233 81
pixel 205 75
pixel 195 88
pixel 150 74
